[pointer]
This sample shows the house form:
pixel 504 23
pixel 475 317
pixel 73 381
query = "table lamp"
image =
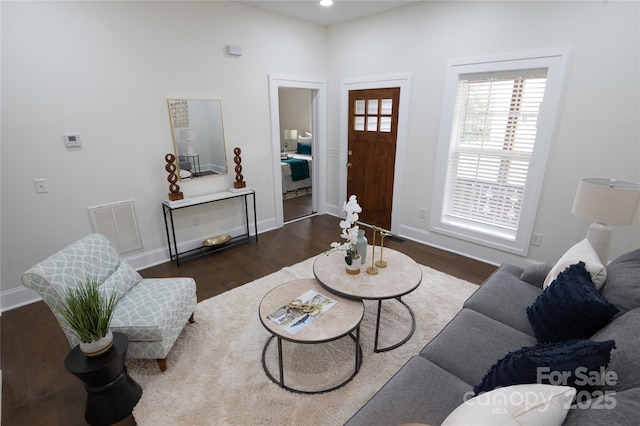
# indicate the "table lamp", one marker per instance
pixel 290 135
pixel 607 202
pixel 188 136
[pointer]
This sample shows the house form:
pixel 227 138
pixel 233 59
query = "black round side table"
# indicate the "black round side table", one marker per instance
pixel 111 392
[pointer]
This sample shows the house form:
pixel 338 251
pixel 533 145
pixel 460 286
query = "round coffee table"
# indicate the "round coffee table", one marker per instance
pixel 340 320
pixel 401 276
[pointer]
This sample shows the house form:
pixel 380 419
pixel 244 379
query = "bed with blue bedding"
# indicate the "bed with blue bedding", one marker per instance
pixel 296 172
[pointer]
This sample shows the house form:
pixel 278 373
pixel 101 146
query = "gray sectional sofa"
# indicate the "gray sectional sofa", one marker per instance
pixel 494 322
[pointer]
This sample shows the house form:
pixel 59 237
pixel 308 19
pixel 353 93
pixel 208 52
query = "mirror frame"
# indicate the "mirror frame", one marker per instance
pixel 183 119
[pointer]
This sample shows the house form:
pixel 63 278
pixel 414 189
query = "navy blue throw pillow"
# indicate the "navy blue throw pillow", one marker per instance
pixel 304 148
pixel 549 363
pixel 571 307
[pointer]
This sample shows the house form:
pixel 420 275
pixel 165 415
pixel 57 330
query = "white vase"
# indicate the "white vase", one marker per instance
pixel 354 268
pixel 98 347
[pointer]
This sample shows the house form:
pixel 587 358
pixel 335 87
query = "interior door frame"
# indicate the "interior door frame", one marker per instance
pixel 398 80
pixel 319 124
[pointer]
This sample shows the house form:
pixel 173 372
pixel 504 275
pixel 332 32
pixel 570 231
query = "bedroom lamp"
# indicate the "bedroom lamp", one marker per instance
pixel 289 135
pixel 607 202
pixel 188 136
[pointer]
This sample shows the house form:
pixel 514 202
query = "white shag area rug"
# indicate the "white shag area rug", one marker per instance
pixel 215 375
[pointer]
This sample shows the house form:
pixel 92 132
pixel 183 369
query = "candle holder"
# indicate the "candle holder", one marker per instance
pixel 372 270
pixel 381 263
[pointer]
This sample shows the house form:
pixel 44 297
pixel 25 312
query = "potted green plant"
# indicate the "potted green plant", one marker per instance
pixel 88 314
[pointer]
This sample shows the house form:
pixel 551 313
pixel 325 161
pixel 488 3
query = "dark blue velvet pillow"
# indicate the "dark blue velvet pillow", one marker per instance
pixel 571 307
pixel 304 148
pixel 521 366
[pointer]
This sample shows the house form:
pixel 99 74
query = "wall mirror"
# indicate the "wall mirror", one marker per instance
pixel 198 137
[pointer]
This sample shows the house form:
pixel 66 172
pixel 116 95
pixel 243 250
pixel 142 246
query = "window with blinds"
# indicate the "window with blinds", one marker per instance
pixel 493 136
pixel 498 116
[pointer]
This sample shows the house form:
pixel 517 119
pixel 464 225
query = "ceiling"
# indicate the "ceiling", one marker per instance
pixel 341 11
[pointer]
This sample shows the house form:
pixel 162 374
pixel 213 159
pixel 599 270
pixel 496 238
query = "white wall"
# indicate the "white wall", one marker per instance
pixel 597 134
pixel 105 70
pixel 295 113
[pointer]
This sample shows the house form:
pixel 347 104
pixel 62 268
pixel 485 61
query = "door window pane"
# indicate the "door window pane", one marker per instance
pixel 372 107
pixel 359 123
pixel 387 107
pixel 385 124
pixel 360 107
pixel 372 124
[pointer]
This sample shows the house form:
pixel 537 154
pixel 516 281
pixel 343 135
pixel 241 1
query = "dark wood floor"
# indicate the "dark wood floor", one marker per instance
pixel 37 390
pixel 294 208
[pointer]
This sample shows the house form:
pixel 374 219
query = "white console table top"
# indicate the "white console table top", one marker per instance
pixel 201 199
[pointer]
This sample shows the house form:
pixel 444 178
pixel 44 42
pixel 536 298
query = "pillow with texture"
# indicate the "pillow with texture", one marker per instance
pixel 304 148
pixel 582 251
pixel 521 366
pixel 570 308
pixel 526 405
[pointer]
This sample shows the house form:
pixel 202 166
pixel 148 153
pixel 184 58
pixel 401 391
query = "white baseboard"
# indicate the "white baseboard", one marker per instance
pixel 463 248
pixel 22 296
pixel 17 297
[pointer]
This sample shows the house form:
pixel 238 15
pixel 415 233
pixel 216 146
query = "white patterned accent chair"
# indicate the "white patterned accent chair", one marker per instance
pixel 151 312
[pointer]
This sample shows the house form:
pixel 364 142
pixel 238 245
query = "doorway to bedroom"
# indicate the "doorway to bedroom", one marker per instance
pixel 295 107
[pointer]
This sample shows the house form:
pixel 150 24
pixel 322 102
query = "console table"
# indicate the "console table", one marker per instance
pixel 168 207
pixel 194 159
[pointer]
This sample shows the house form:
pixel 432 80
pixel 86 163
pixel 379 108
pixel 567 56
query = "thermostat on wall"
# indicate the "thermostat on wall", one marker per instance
pixel 72 140
pixel 234 50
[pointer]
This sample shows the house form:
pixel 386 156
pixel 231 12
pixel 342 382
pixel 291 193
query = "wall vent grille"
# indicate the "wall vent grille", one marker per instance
pixel 117 222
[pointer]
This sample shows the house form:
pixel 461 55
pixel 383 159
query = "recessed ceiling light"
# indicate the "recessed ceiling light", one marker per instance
pixel 326 2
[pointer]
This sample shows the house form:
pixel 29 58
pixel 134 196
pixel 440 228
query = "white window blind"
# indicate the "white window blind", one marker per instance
pixel 496 130
pixel 492 141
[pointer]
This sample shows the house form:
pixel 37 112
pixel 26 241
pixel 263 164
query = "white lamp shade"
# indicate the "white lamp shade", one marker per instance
pixel 607 201
pixel 188 135
pixel 290 134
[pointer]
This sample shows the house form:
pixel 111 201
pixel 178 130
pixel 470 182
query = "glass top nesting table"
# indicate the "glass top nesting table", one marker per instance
pixel 341 320
pixel 401 276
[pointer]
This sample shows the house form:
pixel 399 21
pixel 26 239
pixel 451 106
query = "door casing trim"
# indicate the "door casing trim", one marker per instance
pixel 397 80
pixel 319 123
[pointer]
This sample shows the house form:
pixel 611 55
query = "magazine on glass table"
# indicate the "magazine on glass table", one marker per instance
pixel 294 320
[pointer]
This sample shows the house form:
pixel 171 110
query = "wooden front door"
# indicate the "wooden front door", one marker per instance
pixel 371 155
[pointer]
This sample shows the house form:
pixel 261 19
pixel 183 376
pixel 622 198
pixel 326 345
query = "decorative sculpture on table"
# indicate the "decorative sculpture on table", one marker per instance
pixel 383 233
pixel 372 270
pixel 239 183
pixel 174 188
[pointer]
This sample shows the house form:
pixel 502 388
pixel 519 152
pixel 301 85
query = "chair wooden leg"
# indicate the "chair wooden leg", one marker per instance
pixel 162 363
pixel 192 318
